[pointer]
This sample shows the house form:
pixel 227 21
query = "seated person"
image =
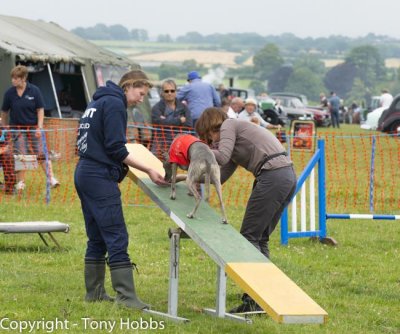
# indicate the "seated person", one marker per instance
pixel 249 113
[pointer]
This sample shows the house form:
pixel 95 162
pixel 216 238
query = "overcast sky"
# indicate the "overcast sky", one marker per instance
pixel 304 18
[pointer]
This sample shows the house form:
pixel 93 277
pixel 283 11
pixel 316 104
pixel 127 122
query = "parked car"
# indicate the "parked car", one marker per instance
pixel 242 93
pixel 390 119
pixel 321 116
pixel 270 112
pixel 301 97
pixel 293 108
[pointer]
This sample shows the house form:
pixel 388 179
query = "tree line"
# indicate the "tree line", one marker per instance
pixel 361 75
pixel 288 43
pixel 285 62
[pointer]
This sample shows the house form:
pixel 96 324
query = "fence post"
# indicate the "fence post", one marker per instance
pixel 321 189
pixel 372 172
pixel 46 156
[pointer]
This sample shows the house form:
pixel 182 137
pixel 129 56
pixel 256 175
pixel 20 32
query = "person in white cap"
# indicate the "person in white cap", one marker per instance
pixel 250 114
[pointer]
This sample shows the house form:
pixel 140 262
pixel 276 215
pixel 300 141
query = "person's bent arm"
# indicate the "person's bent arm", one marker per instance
pixel 156 114
pixel 40 113
pixel 266 124
pixel 4 118
pixel 152 173
pixel 227 170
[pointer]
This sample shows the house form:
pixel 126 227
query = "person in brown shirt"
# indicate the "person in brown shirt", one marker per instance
pixel 240 143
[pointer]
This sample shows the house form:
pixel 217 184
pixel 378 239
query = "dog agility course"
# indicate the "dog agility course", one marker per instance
pixel 312 207
pixel 356 282
pixel 280 297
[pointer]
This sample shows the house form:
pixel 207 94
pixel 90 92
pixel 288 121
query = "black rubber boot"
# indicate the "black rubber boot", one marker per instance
pixel 262 246
pixel 95 270
pixel 123 284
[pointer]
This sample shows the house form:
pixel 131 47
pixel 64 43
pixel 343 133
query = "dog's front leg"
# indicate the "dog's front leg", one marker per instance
pixel 174 168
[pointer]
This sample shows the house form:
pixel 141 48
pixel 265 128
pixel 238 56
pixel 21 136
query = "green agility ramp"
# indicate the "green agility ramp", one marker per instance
pixel 279 296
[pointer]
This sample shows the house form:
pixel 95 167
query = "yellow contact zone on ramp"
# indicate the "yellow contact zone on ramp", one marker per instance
pixel 276 293
pixel 146 157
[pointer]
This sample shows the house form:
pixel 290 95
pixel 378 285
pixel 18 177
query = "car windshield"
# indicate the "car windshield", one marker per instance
pixel 296 103
pixel 304 100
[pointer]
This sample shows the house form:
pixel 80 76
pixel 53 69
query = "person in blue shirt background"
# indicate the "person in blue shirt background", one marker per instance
pixel 23 110
pixel 334 105
pixel 102 164
pixel 198 95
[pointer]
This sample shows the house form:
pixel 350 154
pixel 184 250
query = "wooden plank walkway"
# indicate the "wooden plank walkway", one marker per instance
pixel 280 297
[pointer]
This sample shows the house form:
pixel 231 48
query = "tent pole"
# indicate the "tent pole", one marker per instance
pixel 54 90
pixel 85 84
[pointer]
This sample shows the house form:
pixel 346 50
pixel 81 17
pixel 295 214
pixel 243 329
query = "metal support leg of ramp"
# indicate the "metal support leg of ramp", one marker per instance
pixel 175 235
pixel 221 300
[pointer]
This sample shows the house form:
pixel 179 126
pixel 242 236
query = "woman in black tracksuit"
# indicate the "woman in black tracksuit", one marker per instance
pixel 103 163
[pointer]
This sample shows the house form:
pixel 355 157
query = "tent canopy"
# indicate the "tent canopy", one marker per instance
pixel 46 41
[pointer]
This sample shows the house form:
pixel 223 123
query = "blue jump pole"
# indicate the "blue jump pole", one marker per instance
pixel 362 216
pixel 318 158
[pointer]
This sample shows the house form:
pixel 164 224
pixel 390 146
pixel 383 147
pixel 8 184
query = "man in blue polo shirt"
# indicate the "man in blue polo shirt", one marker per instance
pixel 199 95
pixel 23 110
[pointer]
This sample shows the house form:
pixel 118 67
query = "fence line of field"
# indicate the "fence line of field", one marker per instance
pixel 351 180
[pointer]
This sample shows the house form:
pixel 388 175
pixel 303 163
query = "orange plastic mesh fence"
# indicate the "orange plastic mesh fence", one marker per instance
pixel 348 169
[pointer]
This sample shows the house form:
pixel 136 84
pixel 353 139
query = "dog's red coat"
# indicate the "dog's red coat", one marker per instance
pixel 178 152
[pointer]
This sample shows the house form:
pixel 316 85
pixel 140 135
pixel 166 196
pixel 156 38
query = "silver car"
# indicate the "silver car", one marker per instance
pixel 293 108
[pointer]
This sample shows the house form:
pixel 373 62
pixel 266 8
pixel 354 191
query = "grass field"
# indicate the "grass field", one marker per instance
pixel 357 282
pixel 145 52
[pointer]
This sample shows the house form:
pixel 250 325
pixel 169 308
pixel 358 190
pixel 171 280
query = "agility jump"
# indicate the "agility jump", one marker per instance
pixel 280 297
pixel 311 204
